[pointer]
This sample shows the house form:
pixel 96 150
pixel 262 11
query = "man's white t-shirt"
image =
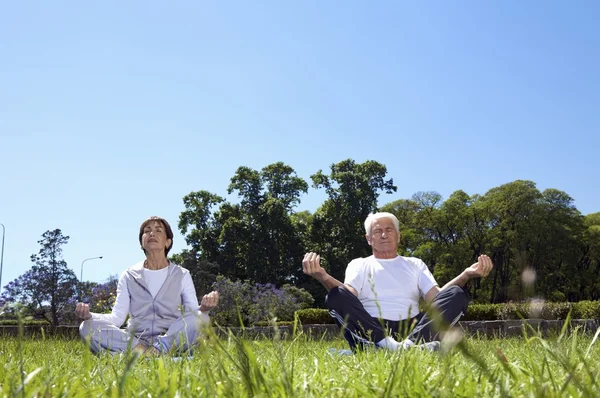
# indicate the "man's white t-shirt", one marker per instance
pixel 390 288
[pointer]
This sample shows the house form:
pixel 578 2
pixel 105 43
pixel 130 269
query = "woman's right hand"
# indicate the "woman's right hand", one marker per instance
pixel 82 310
pixel 209 301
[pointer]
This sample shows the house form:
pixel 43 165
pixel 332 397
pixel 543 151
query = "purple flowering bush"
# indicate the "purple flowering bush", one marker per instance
pixel 104 295
pixel 100 296
pixel 248 303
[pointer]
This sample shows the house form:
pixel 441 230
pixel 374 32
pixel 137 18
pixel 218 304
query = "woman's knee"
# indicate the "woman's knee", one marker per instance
pixel 85 328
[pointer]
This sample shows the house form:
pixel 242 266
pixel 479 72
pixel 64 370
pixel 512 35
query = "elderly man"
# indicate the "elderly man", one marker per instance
pixel 381 292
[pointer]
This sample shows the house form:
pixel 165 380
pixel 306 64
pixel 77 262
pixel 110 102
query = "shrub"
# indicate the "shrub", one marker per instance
pixel 100 296
pixel 586 310
pixel 511 310
pixel 534 309
pixel 24 322
pixel 247 303
pixel 483 312
pixel 104 295
pixel 311 316
pixel 235 302
pixel 490 312
pixel 556 310
pixel 269 301
pixel 278 323
pixel 557 296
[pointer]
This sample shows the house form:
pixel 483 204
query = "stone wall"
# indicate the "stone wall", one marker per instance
pixel 512 328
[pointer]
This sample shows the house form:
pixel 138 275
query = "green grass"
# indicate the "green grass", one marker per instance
pixel 567 365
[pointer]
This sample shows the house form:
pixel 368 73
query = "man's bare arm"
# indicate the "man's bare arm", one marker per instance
pixel 311 265
pixel 480 269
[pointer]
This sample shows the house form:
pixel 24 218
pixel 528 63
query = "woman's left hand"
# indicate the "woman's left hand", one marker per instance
pixel 209 301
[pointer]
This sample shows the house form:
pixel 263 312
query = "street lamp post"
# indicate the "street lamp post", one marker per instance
pixel 2 256
pixel 91 258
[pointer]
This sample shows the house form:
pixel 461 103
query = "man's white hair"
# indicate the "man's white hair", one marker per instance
pixel 373 217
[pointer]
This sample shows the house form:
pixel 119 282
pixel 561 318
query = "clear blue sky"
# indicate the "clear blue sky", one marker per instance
pixel 111 112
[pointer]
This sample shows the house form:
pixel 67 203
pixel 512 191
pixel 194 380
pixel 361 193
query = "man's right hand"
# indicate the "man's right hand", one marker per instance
pixel 83 311
pixel 311 265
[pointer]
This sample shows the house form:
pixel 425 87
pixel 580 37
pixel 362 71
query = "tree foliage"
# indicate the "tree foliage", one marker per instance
pixel 253 239
pixel 49 286
pixel 539 242
pixel 541 245
pixel 527 232
pixel 338 225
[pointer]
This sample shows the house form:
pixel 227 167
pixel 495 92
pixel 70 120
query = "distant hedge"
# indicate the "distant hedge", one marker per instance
pixel 14 322
pixel 269 323
pixel 533 309
pixel 314 316
pixel 492 312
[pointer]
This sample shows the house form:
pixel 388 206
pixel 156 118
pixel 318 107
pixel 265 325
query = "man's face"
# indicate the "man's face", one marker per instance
pixel 384 237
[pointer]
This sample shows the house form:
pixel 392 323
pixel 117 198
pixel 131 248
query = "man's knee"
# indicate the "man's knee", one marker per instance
pixel 335 296
pixel 458 297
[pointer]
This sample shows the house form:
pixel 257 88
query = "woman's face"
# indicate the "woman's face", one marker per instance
pixel 155 237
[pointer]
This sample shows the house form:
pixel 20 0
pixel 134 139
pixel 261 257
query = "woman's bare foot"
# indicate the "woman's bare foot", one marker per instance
pixel 150 351
pixel 139 349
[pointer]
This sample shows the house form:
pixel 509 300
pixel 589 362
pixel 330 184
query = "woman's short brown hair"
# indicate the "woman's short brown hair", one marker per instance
pixel 165 225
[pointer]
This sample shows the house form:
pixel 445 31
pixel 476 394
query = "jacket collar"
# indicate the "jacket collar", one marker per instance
pixel 137 270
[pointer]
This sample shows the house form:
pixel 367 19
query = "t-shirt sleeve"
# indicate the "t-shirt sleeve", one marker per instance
pixel 426 279
pixel 355 275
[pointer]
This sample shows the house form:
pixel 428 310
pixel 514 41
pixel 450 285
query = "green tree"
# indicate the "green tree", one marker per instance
pixel 511 211
pixel 256 238
pixel 338 225
pixel 555 248
pixel 197 224
pixel 49 287
pixel 526 232
pixel 447 235
pixel 406 211
pixel 537 232
pixel 591 253
pixel 456 233
pixel 204 273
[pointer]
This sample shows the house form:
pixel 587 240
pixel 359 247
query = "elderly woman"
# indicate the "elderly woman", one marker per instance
pixel 159 298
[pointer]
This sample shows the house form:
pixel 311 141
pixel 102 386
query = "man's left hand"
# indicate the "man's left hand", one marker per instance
pixel 481 268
